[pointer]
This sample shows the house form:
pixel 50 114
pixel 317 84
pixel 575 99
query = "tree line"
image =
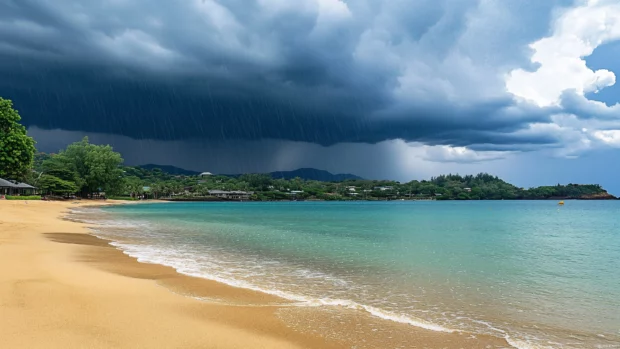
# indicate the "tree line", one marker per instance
pixel 265 188
pixel 86 169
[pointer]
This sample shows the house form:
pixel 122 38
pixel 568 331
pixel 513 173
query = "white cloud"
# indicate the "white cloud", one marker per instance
pixel 333 9
pixel 445 153
pixel 576 34
pixel 609 137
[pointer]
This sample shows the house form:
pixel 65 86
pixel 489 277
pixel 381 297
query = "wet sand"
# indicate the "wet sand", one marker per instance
pixel 63 288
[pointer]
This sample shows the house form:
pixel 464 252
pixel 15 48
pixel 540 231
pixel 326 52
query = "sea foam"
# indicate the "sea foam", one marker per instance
pixel 319 267
pixel 184 265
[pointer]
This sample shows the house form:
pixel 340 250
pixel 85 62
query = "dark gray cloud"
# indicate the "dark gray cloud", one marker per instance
pixel 386 160
pixel 377 161
pixel 317 71
pixel 263 85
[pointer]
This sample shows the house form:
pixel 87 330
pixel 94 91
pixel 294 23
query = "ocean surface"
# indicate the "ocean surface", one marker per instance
pixel 537 274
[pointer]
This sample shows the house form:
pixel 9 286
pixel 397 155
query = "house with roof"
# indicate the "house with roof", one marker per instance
pixel 26 189
pixel 231 195
pixel 15 188
pixel 6 187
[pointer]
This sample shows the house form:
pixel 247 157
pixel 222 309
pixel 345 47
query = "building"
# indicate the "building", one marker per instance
pixel 468 190
pixel 383 188
pixel 26 189
pixel 294 193
pixel 231 195
pixel 206 174
pixel 6 187
pixel 14 188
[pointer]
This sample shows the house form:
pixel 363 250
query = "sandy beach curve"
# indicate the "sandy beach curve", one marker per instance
pixel 61 287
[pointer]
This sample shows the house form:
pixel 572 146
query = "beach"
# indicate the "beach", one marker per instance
pixel 56 292
pixel 63 288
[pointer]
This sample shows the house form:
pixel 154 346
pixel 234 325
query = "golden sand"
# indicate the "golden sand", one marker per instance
pixel 63 288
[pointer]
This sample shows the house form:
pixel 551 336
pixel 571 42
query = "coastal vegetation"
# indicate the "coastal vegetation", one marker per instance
pixel 86 169
pixel 265 188
pixel 82 168
pixel 23 197
pixel 90 170
pixel 16 148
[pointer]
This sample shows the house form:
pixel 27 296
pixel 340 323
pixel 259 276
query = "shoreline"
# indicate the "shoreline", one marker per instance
pixel 189 305
pixel 61 287
pixel 611 198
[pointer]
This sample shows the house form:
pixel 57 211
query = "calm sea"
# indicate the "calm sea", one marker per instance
pixel 539 275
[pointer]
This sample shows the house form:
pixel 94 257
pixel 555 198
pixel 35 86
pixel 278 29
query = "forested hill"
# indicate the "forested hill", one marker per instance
pixel 68 173
pixel 487 187
pixel 314 174
pixel 310 174
pixel 445 187
pixel 173 170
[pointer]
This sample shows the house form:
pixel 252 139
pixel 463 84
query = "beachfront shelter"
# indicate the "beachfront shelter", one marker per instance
pixel 6 187
pixel 25 189
pixel 11 188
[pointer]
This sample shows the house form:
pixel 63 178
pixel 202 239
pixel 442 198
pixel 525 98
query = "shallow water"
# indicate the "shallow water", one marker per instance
pixel 540 275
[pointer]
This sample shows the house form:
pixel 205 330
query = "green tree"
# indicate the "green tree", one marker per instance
pixel 39 158
pixel 157 189
pixel 133 185
pixel 257 181
pixel 202 190
pixel 61 166
pixel 176 188
pixel 463 196
pixel 54 185
pixel 95 167
pixel 16 147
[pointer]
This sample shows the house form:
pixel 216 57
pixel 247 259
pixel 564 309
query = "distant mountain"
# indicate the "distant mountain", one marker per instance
pixel 170 169
pixel 314 174
pixel 303 173
pixel 309 174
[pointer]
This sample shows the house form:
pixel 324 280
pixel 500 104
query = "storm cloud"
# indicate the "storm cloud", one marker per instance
pixel 323 71
pixel 459 81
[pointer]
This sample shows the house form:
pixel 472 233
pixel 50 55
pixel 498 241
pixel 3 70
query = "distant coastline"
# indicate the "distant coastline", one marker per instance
pixel 214 199
pixel 263 187
pixel 57 174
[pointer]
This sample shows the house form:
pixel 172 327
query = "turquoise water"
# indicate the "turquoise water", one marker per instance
pixel 540 275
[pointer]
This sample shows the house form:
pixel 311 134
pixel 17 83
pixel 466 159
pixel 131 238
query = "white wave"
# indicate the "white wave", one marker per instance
pixel 383 314
pixel 525 344
pixel 206 263
pixel 151 255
